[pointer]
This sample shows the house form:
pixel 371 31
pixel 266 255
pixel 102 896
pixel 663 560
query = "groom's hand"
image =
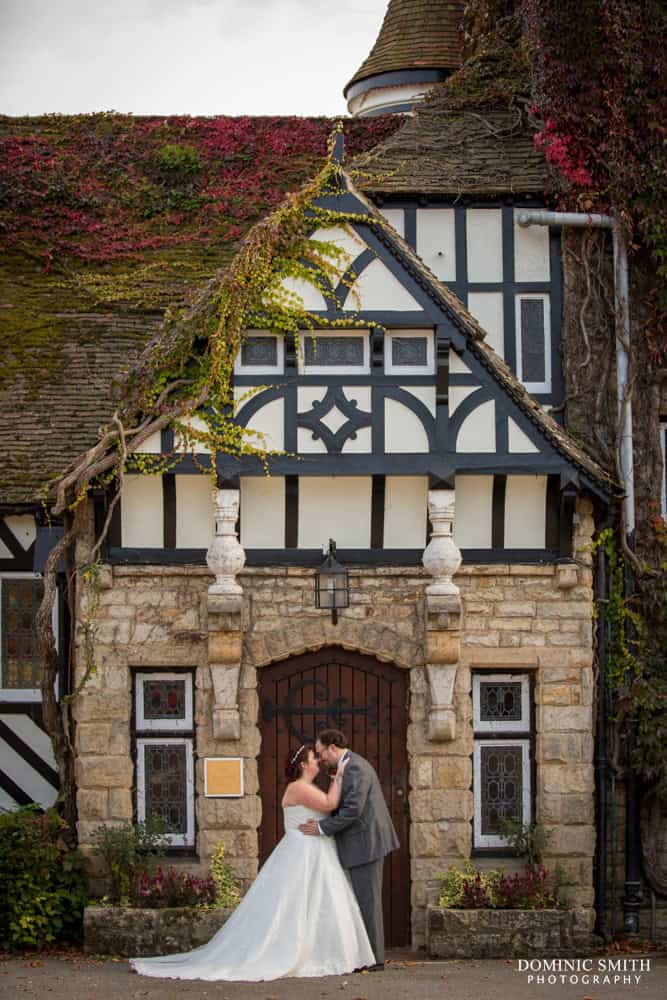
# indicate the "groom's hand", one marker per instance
pixel 310 828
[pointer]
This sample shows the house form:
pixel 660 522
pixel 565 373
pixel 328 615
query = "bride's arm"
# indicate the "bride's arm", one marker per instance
pixel 314 798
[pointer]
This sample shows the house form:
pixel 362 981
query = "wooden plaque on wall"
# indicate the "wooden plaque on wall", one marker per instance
pixel 223 777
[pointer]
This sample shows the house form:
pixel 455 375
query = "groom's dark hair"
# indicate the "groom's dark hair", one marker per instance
pixel 329 737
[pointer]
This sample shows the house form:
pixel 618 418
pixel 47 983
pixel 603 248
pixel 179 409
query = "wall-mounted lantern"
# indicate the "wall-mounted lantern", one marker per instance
pixel 332 585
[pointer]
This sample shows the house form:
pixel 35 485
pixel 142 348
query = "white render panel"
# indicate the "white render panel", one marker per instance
pixel 362 444
pixel 306 444
pixel 484 229
pixel 403 430
pixel 478 431
pixel 32 735
pixel 436 241
pixel 306 292
pixel 457 365
pixel 405 508
pixel 487 308
pixel 473 512
pixel 22 527
pixel 347 240
pixel 268 425
pixel 195 424
pixel 7 804
pixel 457 393
pixel 424 393
pixel 377 288
pixel 525 512
pixel 531 252
pixel 141 513
pixel 195 522
pixel 337 507
pixel 152 445
pixel 519 442
pixel 22 774
pixel 4 552
pixel 262 512
pixel 396 218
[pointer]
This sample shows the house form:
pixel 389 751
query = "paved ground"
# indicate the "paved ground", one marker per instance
pixel 75 977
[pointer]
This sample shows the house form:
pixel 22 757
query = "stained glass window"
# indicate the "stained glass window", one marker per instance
pixel 333 351
pixel 499 701
pixel 164 699
pixel 409 351
pixel 166 786
pixel 21 666
pixel 256 351
pixel 501 787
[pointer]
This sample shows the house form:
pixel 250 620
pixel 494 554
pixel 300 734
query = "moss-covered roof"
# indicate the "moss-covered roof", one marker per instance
pixel 105 220
pixel 415 34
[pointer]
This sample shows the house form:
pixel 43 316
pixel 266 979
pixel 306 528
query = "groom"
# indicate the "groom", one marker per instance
pixel 363 830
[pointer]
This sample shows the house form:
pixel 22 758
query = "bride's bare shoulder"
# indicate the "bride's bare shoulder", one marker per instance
pixel 301 794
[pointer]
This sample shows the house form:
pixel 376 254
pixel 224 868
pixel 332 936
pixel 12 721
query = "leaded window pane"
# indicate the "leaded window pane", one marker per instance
pixel 500 702
pixel 333 351
pixel 533 356
pixel 21 667
pixel 256 351
pixel 164 699
pixel 166 785
pixel 502 787
pixel 409 351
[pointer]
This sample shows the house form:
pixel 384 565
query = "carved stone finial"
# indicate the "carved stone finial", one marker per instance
pixel 442 557
pixel 225 556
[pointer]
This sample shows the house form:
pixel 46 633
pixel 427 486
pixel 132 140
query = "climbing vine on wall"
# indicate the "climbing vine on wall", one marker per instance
pixel 187 372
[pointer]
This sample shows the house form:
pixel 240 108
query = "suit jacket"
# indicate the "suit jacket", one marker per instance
pixel 362 826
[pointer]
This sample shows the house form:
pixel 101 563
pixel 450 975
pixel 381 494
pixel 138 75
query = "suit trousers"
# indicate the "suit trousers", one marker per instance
pixel 367 885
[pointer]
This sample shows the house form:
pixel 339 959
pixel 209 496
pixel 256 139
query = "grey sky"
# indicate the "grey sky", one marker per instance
pixel 198 57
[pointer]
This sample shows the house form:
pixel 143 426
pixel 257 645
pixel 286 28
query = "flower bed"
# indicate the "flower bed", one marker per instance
pixel 130 931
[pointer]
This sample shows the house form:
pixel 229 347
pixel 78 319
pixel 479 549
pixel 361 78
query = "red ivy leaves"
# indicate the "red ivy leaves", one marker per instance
pixel 97 187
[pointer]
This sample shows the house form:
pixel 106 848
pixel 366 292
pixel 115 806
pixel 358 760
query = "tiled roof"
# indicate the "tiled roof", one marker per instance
pixel 97 238
pixel 445 150
pixel 415 34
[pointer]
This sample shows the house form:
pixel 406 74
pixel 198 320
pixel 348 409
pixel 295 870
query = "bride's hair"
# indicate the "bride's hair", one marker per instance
pixel 295 759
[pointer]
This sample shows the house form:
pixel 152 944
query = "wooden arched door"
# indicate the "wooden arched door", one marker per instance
pixel 334 688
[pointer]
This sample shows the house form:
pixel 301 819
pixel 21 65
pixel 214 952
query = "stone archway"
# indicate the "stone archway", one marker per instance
pixel 367 699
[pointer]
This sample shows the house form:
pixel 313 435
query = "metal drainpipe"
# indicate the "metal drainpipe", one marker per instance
pixel 540 217
pixel 632 892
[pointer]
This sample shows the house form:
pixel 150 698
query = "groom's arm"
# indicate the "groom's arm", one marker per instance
pixel 356 786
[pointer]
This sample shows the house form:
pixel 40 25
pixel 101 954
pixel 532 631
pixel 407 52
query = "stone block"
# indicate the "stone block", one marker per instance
pixel 572 840
pixel 93 737
pixel 104 772
pixel 120 803
pixel 564 609
pixel 556 694
pixel 562 779
pixel 130 932
pixel 101 706
pixel 230 814
pixel 224 647
pixel 509 609
pixel 572 718
pixel 507 657
pixel 452 772
pixel 442 647
pixel 563 748
pixel 506 934
pixel 92 804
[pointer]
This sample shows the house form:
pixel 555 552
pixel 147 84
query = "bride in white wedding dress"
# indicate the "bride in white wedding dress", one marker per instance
pixel 300 917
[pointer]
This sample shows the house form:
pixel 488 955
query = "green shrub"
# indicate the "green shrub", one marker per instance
pixel 224 876
pixel 124 850
pixel 43 888
pixel 468 888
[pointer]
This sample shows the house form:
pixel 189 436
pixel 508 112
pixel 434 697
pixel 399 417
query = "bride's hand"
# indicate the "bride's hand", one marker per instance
pixel 340 770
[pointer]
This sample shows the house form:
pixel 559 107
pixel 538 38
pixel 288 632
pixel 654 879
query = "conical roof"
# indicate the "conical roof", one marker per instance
pixel 415 34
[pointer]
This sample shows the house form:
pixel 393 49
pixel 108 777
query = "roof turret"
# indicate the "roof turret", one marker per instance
pixel 418 46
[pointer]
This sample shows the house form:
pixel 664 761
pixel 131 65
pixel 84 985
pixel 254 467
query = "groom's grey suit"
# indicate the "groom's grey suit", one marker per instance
pixel 364 834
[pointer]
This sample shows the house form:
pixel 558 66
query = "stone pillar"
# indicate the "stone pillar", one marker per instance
pixel 442 559
pixel 225 558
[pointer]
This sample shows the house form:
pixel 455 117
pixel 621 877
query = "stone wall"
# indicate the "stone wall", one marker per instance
pixel 513 617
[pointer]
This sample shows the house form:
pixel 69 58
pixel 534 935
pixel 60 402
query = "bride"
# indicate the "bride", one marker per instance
pixel 300 917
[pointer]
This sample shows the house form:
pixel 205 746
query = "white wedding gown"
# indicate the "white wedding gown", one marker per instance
pixel 300 917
